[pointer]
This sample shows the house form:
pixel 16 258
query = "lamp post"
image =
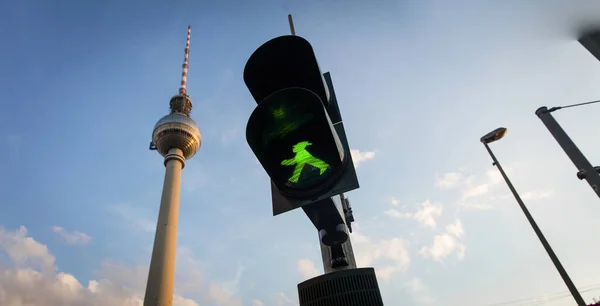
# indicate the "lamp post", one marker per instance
pixel 495 135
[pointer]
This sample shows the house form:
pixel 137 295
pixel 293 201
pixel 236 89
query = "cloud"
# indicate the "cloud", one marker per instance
pixel 421 295
pixel 494 175
pixel 359 157
pixel 475 191
pixel 536 195
pixel 284 300
pixel 449 180
pixel 456 228
pixel 307 268
pixel 25 251
pixel 473 188
pixel 446 243
pixel 391 255
pixel 136 217
pixel 257 303
pixel 219 294
pixel 224 293
pixel 31 278
pixel 425 215
pixel 394 201
pixel 74 237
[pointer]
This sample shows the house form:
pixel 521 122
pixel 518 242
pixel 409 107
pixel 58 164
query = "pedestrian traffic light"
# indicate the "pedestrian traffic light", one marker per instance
pixel 296 131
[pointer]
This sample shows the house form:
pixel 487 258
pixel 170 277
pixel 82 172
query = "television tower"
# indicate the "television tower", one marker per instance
pixel 176 137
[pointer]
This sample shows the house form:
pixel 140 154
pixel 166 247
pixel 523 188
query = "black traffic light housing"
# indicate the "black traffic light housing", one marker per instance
pixel 589 38
pixel 296 131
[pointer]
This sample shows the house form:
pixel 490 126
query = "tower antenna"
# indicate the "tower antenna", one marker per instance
pixel 183 88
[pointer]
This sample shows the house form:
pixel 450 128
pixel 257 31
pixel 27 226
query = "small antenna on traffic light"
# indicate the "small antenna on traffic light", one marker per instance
pixel 291 24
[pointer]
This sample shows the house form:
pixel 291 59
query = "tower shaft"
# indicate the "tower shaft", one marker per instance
pixel 159 288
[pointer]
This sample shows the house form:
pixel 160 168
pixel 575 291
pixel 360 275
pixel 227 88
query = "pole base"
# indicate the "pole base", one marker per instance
pixel 351 287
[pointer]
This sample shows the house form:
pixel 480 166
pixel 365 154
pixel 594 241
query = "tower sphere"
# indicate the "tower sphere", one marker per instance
pixel 177 130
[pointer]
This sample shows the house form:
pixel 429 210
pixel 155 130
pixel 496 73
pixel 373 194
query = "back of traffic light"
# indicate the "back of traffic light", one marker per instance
pixel 296 130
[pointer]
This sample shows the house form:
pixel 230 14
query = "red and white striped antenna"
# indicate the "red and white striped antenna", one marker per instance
pixel 183 88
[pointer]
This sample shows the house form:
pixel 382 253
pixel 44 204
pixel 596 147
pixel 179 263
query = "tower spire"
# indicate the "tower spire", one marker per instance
pixel 183 88
pixel 181 103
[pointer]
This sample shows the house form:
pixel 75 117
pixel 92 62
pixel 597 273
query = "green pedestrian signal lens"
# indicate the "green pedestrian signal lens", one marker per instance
pixel 294 140
pixel 303 158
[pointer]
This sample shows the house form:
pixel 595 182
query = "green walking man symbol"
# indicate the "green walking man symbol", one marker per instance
pixel 302 158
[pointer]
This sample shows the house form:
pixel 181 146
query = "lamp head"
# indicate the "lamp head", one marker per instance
pixel 494 135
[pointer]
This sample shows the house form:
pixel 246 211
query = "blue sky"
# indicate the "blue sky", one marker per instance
pixel 418 82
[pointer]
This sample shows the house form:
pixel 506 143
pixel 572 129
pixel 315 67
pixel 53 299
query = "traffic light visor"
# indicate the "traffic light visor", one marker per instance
pixel 291 135
pixel 284 62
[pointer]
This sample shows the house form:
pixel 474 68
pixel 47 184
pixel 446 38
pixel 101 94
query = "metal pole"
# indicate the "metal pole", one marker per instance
pixel 291 21
pixel 538 232
pixel 326 256
pixel 585 168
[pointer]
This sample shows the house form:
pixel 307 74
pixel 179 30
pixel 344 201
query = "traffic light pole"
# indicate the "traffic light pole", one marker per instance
pixel 342 284
pixel 584 167
pixel 327 255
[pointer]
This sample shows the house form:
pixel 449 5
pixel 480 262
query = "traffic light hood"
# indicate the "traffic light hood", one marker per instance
pixel 283 62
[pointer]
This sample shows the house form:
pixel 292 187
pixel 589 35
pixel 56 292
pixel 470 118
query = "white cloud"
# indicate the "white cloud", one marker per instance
pixel 426 215
pixel 449 180
pixel 394 201
pixel 398 214
pixel 475 191
pixel 136 217
pixel 74 237
pixel 25 251
pixel 536 195
pixel 446 243
pixel 472 189
pixel 421 295
pixel 388 255
pixel 284 300
pixel 386 272
pixel 222 296
pixel 257 303
pixel 224 293
pixel 31 278
pixel 494 175
pixel 456 228
pixel 359 157
pixel 307 268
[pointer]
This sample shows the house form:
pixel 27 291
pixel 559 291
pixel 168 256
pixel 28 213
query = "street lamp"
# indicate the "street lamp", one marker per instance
pixel 495 135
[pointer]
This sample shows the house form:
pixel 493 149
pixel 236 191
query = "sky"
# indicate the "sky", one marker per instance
pixel 418 83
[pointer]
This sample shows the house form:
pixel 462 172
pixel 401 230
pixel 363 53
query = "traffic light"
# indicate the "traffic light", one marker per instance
pixel 296 130
pixel 590 40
